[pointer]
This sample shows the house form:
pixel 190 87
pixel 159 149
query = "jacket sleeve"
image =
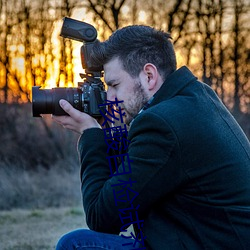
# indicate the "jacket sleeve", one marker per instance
pixel 150 166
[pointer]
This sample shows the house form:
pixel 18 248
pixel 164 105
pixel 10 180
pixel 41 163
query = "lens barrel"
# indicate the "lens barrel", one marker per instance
pixel 46 101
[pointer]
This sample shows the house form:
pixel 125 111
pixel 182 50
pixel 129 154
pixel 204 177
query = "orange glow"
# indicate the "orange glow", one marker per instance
pixel 43 68
pixel 142 17
pixel 180 59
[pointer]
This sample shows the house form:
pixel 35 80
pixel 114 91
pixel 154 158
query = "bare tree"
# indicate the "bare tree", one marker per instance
pixel 107 11
pixel 66 8
pixel 11 89
pixel 239 53
pixel 217 32
pixel 4 56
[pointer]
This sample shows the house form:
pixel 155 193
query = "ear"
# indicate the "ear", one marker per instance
pixel 152 75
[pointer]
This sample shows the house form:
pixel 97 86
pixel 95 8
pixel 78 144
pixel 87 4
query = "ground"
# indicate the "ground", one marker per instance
pixel 37 229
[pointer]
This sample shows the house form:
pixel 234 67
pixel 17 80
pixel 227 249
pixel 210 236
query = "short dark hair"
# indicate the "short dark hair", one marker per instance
pixel 135 46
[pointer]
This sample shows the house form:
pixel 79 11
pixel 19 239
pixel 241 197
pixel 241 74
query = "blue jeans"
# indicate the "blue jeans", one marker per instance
pixel 89 240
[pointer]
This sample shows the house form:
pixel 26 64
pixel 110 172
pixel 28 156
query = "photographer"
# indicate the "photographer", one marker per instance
pixel 189 184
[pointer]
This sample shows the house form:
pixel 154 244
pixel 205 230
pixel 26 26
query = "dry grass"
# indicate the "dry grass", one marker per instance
pixel 40 229
pixel 37 229
pixel 21 188
pixel 39 165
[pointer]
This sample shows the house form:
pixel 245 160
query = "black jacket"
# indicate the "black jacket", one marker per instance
pixel 190 167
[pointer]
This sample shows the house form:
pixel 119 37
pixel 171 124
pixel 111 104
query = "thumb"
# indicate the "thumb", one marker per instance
pixel 66 106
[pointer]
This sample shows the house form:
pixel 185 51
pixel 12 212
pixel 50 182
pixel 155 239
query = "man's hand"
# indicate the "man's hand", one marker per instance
pixel 76 121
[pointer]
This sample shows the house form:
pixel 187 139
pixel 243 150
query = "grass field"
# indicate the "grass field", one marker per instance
pixel 37 229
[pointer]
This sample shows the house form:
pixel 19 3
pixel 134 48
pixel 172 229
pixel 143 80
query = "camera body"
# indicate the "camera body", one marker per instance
pixel 90 93
pixel 91 96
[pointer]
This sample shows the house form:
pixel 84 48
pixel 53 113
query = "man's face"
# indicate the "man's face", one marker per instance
pixel 125 88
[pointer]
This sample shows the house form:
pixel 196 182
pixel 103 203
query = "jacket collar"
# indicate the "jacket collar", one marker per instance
pixel 173 84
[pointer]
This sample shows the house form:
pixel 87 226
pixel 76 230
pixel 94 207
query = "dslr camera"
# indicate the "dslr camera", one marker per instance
pixel 90 93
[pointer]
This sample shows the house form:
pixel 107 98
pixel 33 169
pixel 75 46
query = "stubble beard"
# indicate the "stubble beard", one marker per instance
pixel 135 103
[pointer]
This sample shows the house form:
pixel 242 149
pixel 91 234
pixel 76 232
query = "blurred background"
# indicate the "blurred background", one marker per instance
pixel 38 160
pixel 39 171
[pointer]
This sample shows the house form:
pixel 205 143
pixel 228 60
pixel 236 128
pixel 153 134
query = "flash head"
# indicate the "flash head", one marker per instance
pixel 76 30
pixel 86 33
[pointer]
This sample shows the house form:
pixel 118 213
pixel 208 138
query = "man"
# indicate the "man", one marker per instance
pixel 189 184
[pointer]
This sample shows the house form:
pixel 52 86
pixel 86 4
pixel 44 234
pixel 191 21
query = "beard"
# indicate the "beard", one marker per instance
pixel 135 102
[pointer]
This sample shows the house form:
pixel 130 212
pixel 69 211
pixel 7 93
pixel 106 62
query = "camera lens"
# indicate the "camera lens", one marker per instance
pixel 46 101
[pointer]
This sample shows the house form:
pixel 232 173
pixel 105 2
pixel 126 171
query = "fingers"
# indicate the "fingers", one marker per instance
pixel 76 120
pixel 62 120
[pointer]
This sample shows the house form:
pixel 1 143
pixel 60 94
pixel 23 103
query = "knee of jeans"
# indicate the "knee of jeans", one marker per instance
pixel 67 241
pixel 63 243
pixel 70 240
